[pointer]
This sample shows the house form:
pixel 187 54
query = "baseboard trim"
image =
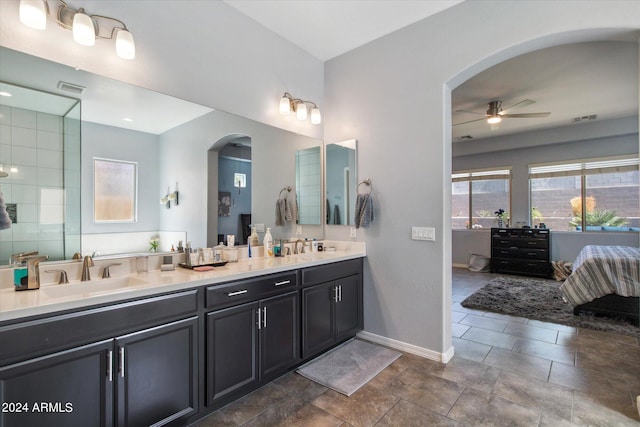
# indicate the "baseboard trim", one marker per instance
pixel 406 347
pixel 460 265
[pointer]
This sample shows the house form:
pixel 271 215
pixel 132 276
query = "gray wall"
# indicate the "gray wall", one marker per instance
pixel 109 142
pixel 393 95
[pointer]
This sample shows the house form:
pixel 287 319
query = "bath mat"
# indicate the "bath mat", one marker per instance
pixel 350 366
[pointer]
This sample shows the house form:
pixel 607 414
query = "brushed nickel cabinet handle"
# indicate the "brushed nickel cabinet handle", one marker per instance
pixel 259 320
pixel 233 294
pixel 122 362
pixel 284 282
pixel 110 365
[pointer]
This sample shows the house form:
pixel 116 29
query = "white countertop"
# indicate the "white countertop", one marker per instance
pixel 14 305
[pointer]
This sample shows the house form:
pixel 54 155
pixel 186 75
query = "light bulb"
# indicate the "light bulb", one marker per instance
pixel 285 105
pixel 33 13
pixel 301 111
pixel 316 118
pixel 494 120
pixel 84 32
pixel 125 47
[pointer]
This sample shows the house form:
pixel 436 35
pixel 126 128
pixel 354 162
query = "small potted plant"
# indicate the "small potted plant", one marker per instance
pixel 153 244
pixel 502 216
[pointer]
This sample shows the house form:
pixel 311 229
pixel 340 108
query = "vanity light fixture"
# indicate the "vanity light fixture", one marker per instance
pixel 85 27
pixel 290 104
pixel 170 197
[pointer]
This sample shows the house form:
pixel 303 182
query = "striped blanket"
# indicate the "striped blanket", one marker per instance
pixel 603 270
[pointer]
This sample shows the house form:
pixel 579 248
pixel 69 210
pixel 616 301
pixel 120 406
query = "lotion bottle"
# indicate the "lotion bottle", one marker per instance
pixel 268 243
pixel 253 238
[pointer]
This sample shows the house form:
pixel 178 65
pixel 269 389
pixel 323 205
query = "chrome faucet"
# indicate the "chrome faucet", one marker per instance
pixel 33 271
pixel 86 273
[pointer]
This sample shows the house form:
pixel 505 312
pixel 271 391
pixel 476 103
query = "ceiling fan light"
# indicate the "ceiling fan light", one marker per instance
pixel 33 13
pixel 285 105
pixel 125 47
pixel 301 111
pixel 316 118
pixel 493 120
pixel 84 32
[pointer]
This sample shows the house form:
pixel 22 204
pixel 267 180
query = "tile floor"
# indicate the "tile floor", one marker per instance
pixel 507 371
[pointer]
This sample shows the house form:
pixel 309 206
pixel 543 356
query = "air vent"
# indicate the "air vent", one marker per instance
pixel 584 118
pixel 70 87
pixel 464 137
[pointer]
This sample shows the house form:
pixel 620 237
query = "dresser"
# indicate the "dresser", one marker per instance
pixel 523 251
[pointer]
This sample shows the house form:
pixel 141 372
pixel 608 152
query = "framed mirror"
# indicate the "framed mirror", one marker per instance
pixel 340 182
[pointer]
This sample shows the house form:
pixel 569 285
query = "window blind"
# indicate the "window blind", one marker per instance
pixel 595 166
pixel 478 175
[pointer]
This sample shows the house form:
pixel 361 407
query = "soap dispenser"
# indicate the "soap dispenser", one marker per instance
pixel 268 243
pixel 254 240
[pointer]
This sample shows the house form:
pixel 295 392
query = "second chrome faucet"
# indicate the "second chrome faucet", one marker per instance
pixel 86 273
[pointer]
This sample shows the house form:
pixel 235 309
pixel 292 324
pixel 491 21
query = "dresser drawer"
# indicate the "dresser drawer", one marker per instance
pixel 229 294
pixel 539 268
pixel 520 242
pixel 513 252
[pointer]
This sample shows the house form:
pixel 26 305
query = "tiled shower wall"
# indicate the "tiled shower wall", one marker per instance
pixel 31 152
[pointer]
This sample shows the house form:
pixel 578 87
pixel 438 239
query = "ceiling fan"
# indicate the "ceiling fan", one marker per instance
pixel 495 113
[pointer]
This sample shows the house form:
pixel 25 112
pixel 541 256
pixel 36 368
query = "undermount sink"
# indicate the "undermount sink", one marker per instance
pixel 92 287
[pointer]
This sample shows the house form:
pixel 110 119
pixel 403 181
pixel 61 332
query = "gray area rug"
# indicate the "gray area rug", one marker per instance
pixel 348 367
pixel 540 300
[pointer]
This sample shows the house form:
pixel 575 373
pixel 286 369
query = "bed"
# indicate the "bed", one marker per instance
pixel 605 281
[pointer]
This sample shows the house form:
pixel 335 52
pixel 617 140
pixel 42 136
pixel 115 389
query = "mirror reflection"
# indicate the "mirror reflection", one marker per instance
pixel 308 185
pixel 341 179
pixel 176 145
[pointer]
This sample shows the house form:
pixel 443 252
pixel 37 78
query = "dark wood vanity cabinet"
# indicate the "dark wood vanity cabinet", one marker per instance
pixel 145 377
pixel 523 251
pixel 251 343
pixel 331 305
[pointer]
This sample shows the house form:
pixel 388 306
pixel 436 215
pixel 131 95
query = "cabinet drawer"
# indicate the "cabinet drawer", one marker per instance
pixel 520 242
pixel 226 295
pixel 25 340
pixel 520 253
pixel 518 266
pixel 329 272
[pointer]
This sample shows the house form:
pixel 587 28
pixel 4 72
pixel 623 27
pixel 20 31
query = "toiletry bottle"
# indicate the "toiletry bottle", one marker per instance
pixel 268 243
pixel 255 240
pixel 314 245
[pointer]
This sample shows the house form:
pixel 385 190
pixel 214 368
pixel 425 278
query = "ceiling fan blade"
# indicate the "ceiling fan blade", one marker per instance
pixel 470 121
pixel 525 115
pixel 470 112
pixel 520 104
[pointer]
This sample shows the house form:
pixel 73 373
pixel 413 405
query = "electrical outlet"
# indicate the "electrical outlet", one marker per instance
pixel 260 228
pixel 298 230
pixel 352 232
pixel 423 233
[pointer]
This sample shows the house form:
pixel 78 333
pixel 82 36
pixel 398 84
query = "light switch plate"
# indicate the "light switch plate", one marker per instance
pixel 352 232
pixel 423 233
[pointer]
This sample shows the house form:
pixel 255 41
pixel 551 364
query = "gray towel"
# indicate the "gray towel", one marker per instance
pixel 287 210
pixel 280 212
pixel 336 215
pixel 5 221
pixel 364 210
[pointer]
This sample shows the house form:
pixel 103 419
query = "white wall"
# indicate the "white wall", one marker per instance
pixel 199 50
pixel 393 95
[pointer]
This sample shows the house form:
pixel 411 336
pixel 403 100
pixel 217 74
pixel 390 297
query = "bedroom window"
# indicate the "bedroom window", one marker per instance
pixel 476 195
pixel 586 195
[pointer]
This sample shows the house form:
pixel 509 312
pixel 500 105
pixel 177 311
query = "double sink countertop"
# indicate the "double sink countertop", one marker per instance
pixel 51 298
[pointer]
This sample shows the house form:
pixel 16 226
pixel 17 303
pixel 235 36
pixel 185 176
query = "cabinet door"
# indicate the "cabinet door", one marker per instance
pixel 232 352
pixel 317 313
pixel 348 311
pixel 157 374
pixel 279 346
pixel 70 388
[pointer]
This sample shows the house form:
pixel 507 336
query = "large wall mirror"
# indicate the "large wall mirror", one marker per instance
pixel 341 182
pixel 172 142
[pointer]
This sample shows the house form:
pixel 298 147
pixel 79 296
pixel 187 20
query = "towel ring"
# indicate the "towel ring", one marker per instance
pixel 366 182
pixel 287 189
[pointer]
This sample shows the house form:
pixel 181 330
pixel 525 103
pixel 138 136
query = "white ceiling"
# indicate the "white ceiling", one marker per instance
pixel 328 28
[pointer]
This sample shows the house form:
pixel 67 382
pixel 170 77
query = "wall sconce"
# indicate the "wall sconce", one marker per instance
pixel 290 104
pixel 170 197
pixel 85 27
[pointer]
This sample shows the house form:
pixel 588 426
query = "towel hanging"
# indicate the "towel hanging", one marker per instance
pixel 366 183
pixel 364 206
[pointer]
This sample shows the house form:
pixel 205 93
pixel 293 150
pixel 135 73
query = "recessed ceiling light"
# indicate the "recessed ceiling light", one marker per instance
pixel 3 93
pixel 127 119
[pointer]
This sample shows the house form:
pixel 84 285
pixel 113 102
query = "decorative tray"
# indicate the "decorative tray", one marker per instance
pixel 212 264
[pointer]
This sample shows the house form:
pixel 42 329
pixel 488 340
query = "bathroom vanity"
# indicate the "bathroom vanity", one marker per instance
pixel 176 354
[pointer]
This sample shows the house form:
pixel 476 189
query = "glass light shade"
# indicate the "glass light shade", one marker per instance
pixel 84 32
pixel 316 118
pixel 33 13
pixel 285 105
pixel 125 47
pixel 301 111
pixel 494 120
